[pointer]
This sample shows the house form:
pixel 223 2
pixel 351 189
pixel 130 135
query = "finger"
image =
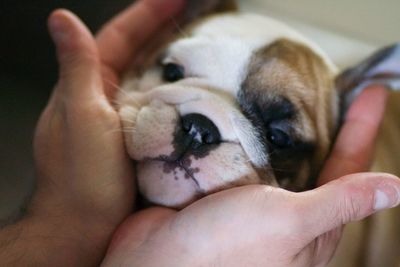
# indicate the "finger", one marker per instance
pixel 127 32
pixel 77 55
pixel 354 145
pixel 350 198
pixel 143 58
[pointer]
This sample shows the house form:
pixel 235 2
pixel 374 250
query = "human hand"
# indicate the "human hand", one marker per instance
pixel 264 226
pixel 85 183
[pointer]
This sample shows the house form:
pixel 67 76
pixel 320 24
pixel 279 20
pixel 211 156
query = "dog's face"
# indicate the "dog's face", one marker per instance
pixel 242 99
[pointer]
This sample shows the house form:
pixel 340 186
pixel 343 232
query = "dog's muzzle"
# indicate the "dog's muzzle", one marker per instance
pixel 187 144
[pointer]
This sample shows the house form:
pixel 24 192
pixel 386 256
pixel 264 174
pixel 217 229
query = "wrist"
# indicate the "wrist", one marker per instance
pixel 69 217
pixel 51 241
pixel 170 250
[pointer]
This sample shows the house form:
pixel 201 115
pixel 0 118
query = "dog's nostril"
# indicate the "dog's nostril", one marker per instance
pixel 208 138
pixel 201 129
pixel 186 125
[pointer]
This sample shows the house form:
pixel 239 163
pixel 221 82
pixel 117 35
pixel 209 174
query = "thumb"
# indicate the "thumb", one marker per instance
pixel 77 55
pixel 350 198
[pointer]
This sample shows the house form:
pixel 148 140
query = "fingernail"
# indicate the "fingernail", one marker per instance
pixel 387 196
pixel 57 28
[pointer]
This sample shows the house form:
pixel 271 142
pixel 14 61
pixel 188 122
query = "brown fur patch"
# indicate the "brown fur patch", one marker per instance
pixel 292 71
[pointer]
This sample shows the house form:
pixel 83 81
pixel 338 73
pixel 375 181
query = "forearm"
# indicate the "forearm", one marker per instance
pixel 34 242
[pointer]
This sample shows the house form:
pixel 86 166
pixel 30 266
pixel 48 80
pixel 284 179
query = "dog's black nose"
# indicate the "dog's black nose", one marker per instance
pixel 200 129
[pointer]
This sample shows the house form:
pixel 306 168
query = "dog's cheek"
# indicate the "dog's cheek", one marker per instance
pixel 152 135
pixel 224 167
pixel 128 115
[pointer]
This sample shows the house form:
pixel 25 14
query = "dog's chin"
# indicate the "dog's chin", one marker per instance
pixel 178 182
pixel 168 184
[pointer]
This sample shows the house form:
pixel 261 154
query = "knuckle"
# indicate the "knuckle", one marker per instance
pixel 348 209
pixel 354 202
pixel 75 64
pixel 78 58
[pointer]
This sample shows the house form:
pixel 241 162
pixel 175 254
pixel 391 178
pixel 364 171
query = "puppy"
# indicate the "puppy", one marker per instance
pixel 239 99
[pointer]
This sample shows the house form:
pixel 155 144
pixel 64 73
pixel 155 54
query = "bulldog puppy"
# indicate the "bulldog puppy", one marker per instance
pixel 240 99
pixel 235 99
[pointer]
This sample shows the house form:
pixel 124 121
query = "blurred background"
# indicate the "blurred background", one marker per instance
pixel 347 30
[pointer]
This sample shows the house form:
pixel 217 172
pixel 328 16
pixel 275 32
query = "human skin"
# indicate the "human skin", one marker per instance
pixel 85 183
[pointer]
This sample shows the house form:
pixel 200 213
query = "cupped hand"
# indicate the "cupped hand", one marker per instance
pixel 85 180
pixel 260 225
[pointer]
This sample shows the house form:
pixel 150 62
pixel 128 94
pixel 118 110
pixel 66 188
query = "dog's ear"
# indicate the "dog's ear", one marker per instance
pixel 383 67
pixel 200 8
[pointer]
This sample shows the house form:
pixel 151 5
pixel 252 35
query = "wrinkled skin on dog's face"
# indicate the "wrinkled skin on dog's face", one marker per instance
pixel 241 100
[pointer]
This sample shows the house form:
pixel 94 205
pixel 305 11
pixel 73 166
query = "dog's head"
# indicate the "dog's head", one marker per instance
pixel 239 99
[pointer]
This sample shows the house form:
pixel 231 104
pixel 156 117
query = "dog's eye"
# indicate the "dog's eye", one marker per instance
pixel 173 72
pixel 279 138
